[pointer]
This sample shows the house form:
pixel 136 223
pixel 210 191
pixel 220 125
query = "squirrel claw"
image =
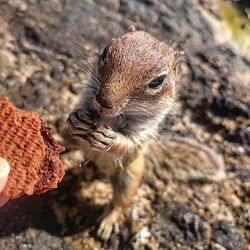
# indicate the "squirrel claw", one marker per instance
pixel 109 223
pixel 79 120
pixel 77 128
pixel 101 139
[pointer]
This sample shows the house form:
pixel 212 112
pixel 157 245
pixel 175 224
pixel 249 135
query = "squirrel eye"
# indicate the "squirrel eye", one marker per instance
pixel 104 55
pixel 157 82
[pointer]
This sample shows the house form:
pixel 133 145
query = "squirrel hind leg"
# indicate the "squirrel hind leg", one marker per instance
pixel 125 183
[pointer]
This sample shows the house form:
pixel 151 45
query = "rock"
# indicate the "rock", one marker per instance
pixel 138 10
pixel 35 240
pixel 194 228
pixel 226 235
pixel 7 64
pixel 56 74
pixel 179 224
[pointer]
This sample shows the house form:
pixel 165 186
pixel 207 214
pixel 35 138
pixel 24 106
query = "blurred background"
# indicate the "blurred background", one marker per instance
pixel 38 43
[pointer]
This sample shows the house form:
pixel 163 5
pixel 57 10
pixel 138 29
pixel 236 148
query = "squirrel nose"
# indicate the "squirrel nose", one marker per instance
pixel 103 103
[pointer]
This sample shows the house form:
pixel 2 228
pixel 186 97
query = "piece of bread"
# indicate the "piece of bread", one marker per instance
pixel 28 145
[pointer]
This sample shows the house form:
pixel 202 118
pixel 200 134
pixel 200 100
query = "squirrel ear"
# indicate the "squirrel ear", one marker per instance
pixel 177 60
pixel 131 28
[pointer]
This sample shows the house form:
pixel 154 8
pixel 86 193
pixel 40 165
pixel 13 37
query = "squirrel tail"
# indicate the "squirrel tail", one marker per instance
pixel 184 160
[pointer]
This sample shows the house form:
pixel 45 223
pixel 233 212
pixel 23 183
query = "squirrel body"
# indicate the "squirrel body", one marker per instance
pixel 122 107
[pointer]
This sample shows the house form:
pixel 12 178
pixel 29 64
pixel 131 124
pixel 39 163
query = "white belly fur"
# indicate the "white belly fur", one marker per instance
pixel 105 161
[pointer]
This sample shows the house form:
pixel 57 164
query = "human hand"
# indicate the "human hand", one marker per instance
pixel 4 172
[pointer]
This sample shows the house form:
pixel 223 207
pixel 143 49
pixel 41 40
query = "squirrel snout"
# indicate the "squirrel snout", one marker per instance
pixel 102 105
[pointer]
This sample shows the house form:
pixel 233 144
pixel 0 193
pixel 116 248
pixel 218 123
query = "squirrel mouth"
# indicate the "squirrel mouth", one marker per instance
pixel 104 112
pixel 110 114
pixel 105 115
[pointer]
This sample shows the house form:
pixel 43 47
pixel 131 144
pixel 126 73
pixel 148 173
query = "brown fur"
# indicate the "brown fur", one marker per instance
pixel 131 62
pixel 119 113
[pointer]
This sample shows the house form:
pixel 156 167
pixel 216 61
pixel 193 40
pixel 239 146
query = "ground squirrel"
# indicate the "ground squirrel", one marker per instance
pixel 122 107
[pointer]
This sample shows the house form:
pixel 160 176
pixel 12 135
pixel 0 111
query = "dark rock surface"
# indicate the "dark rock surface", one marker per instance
pixel 226 235
pixel 38 40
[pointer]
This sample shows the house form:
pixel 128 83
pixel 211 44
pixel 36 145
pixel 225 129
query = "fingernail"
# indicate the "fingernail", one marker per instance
pixel 4 168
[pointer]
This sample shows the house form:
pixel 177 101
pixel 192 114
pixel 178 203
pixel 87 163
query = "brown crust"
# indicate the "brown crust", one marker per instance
pixel 27 144
pixel 51 163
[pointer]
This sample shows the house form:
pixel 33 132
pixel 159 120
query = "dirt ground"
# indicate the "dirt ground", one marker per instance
pixel 38 41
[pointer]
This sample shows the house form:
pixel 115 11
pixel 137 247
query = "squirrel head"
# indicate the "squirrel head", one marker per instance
pixel 136 75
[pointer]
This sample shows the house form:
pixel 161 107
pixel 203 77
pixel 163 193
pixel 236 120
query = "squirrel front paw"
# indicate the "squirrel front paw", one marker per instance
pixel 81 127
pixel 80 123
pixel 101 138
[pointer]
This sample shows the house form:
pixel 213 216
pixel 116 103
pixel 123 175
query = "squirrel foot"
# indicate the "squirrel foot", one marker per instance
pixel 109 222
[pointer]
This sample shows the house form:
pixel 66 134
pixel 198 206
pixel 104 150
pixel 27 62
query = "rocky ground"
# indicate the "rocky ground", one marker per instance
pixel 38 41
